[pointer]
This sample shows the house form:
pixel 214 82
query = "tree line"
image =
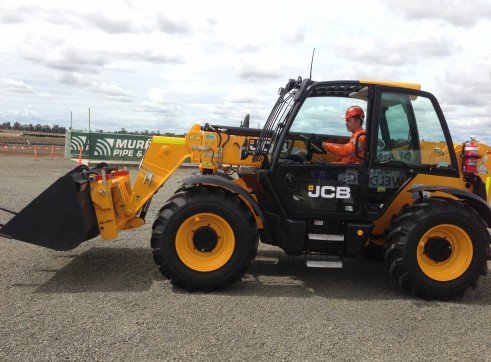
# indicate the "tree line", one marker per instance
pixel 17 126
pixel 32 128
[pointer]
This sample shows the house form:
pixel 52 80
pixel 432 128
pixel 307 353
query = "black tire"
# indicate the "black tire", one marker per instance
pixel 436 248
pixel 204 238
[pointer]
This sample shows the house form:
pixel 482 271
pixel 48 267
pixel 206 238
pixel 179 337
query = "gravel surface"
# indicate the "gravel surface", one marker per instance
pixel 107 301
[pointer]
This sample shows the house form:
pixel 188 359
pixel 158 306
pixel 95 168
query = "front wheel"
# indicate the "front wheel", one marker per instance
pixel 436 248
pixel 204 238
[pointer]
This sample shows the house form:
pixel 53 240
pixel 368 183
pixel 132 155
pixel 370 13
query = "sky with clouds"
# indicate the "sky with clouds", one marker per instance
pixel 164 65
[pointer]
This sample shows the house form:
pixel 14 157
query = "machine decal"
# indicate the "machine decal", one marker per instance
pixel 329 192
pixel 383 179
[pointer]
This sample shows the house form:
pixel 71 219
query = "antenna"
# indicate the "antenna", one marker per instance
pixel 311 62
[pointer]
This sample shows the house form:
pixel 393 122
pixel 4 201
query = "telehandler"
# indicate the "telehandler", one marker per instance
pixel 414 195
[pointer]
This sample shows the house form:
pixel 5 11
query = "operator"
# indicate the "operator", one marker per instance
pixel 354 123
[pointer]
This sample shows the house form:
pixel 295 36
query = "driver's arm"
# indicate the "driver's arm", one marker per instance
pixel 345 150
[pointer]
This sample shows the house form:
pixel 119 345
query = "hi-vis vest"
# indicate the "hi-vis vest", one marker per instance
pixel 347 151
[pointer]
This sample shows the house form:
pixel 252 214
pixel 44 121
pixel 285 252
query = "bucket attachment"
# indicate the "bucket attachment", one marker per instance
pixel 60 218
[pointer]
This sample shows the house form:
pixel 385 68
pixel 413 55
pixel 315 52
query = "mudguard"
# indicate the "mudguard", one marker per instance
pixel 226 184
pixel 473 200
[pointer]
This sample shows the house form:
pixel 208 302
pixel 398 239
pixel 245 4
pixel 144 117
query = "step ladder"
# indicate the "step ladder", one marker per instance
pixel 323 261
pixel 326 237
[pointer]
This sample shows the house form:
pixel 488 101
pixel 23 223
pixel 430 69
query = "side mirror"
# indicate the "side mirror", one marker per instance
pixel 244 153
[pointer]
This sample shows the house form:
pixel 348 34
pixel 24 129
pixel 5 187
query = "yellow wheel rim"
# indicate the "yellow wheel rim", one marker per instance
pixel 444 252
pixel 205 242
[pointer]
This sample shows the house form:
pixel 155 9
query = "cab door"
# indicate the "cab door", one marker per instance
pixel 317 185
pixel 410 138
pixel 321 190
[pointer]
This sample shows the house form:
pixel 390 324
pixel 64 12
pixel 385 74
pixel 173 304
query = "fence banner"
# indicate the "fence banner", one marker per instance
pixel 106 146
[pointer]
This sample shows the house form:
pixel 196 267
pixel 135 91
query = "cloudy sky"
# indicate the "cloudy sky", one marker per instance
pixel 164 65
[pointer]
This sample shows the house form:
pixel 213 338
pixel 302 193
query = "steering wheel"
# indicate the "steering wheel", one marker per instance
pixel 313 144
pixel 290 152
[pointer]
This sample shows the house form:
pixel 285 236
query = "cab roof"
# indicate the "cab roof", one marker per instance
pixel 416 86
pixel 354 89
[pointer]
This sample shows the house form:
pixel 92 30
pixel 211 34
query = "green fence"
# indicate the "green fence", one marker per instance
pixel 105 146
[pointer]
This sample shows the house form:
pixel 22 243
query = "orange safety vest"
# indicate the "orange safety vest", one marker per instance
pixel 347 151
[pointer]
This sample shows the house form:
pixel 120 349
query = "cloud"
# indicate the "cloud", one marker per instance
pixel 172 26
pixel 396 50
pixel 19 12
pixel 150 55
pixel 240 96
pixel 108 17
pixel 26 114
pixel 462 13
pixel 67 57
pixel 113 91
pixel 464 91
pixel 294 34
pixel 62 56
pixel 13 14
pixel 155 65
pixel 466 84
pixel 74 78
pixel 109 90
pixel 255 68
pixel 160 102
pixel 15 86
pixel 20 87
pixel 356 70
pixel 112 25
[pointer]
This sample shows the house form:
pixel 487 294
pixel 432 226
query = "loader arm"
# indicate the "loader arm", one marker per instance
pixel 120 207
pixel 116 205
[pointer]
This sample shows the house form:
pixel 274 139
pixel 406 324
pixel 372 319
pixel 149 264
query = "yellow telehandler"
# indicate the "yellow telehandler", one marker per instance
pixel 413 195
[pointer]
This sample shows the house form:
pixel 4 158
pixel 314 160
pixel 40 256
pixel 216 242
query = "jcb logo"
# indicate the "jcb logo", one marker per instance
pixel 330 192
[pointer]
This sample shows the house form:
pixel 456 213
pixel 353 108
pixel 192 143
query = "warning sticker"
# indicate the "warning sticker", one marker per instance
pixel 482 168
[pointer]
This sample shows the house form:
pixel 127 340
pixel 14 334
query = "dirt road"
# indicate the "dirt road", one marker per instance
pixel 107 301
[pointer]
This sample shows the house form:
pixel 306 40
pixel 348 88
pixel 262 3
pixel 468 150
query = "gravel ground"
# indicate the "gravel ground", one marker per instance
pixel 107 301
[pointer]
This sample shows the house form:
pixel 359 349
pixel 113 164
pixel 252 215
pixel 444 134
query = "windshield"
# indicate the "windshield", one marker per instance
pixel 321 113
pixel 324 115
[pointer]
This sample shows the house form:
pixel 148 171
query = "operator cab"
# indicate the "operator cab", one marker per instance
pixel 405 134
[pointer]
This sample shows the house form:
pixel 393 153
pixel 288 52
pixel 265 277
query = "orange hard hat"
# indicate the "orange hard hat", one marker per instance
pixel 354 111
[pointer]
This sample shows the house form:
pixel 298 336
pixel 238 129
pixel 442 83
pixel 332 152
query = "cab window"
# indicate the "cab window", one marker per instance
pixel 410 131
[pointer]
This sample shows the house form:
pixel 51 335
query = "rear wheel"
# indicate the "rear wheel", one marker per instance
pixel 437 248
pixel 204 238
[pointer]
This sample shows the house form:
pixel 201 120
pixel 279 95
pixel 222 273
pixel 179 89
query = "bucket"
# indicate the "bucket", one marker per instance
pixel 60 218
